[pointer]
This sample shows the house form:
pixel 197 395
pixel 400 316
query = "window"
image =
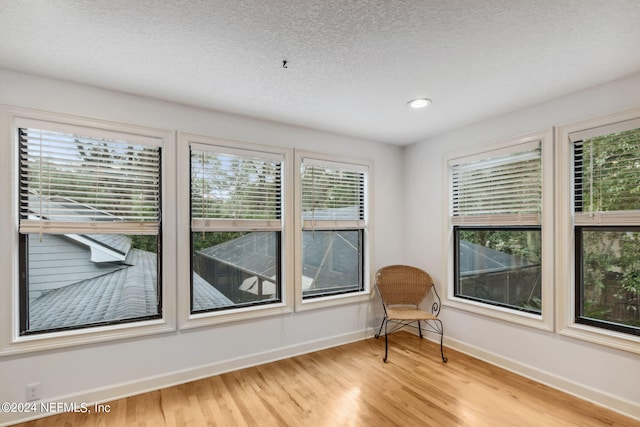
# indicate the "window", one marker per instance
pixel 607 229
pixel 496 210
pixel 233 207
pixel 499 265
pixel 333 225
pixel 598 243
pixel 236 227
pixel 89 238
pixel 89 230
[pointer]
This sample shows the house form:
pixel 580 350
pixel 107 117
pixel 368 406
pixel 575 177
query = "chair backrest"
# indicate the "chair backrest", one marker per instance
pixel 403 284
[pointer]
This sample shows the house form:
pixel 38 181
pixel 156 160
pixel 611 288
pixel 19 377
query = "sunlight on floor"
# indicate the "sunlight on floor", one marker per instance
pixel 346 410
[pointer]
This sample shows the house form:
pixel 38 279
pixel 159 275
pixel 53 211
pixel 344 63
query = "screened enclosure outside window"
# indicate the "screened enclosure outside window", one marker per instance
pixel 495 210
pixel 333 232
pixel 89 228
pixel 236 226
pixel 332 262
pixel 606 166
pixel 499 266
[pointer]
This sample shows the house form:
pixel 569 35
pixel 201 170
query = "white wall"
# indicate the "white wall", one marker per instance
pixel 104 371
pixel 99 372
pixel 597 373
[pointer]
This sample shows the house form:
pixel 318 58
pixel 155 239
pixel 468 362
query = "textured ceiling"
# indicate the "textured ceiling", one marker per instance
pixel 352 65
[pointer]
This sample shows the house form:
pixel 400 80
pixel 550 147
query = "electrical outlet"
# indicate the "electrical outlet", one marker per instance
pixel 33 392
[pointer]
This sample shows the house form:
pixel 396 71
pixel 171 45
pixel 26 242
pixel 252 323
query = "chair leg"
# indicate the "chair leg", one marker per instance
pixel 444 359
pixel 386 343
pixel 420 328
pixel 381 325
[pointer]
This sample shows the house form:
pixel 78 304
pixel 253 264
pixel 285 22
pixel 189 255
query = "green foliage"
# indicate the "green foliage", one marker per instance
pixel 609 181
pixel 145 243
pixel 209 239
pixel 630 259
pixel 611 172
pixel 533 304
pixel 234 187
pixel 325 188
pixel 100 174
pixel 525 244
pixel 523 284
pixel 611 276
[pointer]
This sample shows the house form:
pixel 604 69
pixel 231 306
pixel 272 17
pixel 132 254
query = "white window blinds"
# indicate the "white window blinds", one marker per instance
pixel 70 182
pixel 607 174
pixel 333 192
pixel 497 188
pixel 235 187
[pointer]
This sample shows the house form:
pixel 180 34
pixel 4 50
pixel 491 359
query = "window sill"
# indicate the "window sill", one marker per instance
pixel 332 301
pixel 198 320
pixel 604 337
pixel 513 316
pixel 54 340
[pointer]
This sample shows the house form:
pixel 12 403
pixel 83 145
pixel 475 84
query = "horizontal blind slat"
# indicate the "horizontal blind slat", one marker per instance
pixel 509 184
pixel 607 171
pixel 332 191
pixel 67 177
pixel 83 227
pixel 235 185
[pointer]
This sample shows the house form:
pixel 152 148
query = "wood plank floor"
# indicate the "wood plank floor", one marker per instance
pixel 351 386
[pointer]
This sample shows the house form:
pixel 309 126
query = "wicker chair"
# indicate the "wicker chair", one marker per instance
pixel 402 288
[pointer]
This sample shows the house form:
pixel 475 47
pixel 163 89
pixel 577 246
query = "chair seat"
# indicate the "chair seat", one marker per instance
pixel 408 313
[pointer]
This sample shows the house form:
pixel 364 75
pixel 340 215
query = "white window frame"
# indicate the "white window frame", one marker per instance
pixel 186 319
pixel 565 243
pixel 10 341
pixel 302 304
pixel 544 320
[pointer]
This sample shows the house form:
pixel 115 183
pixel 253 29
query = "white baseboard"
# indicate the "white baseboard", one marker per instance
pixel 124 390
pixel 622 406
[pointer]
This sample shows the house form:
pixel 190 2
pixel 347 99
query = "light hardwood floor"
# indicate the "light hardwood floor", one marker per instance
pixel 351 386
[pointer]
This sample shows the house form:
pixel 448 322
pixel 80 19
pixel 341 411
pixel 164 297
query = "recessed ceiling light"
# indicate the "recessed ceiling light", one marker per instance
pixel 419 103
